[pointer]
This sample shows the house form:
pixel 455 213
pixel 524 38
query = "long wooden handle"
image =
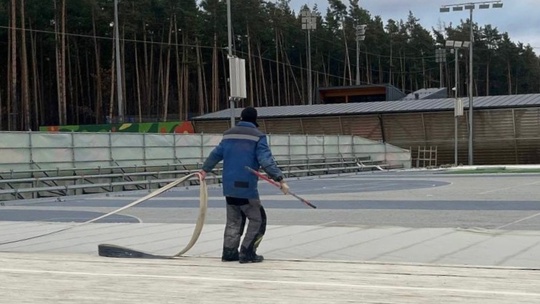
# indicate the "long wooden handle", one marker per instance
pixel 279 186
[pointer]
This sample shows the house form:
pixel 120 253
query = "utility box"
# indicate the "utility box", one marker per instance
pixel 458 107
pixel 237 68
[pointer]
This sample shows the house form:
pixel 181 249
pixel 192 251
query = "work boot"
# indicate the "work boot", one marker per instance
pixel 249 256
pixel 229 255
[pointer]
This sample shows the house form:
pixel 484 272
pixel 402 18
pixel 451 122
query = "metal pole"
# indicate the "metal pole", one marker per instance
pixel 471 6
pixel 229 28
pixel 118 67
pixel 229 36
pixel 441 83
pixel 309 22
pixel 357 60
pixel 310 90
pixel 471 129
pixel 456 117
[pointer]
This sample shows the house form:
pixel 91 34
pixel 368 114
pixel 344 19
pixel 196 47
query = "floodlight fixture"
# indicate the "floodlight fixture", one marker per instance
pixel 360 36
pixel 456 44
pixel 309 23
pixel 470 6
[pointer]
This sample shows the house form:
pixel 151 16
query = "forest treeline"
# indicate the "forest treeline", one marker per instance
pixel 59 57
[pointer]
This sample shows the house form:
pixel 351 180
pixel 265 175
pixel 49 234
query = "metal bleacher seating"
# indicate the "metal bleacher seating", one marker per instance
pixel 38 183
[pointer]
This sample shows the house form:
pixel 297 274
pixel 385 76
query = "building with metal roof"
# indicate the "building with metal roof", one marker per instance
pixel 430 93
pixel 359 93
pixel 399 106
pixel 506 128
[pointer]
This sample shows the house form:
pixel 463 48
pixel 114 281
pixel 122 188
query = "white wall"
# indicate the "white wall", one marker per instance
pixel 40 150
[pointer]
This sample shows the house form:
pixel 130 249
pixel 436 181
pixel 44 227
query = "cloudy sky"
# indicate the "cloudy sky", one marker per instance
pixel 520 18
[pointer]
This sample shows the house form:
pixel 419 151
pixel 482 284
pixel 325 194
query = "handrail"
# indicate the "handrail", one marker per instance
pixel 99 168
pixel 81 183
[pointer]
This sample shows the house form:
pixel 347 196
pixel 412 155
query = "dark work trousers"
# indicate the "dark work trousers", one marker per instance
pixel 238 209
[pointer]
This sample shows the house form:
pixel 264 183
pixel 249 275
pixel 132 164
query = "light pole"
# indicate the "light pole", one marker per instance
pixel 440 58
pixel 237 71
pixel 118 65
pixel 309 22
pixel 230 54
pixel 360 36
pixel 458 105
pixel 471 6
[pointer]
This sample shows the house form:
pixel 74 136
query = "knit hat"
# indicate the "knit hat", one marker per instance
pixel 249 114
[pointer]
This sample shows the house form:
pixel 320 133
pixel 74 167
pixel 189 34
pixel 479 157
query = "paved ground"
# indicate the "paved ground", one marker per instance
pixel 53 279
pixel 429 218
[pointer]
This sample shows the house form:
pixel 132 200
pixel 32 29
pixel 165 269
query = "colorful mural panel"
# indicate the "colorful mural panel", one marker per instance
pixel 150 127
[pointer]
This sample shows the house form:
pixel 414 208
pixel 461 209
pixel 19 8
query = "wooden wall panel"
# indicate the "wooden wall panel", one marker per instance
pixel 367 126
pixel 493 124
pixel 502 136
pixel 322 125
pixel 281 126
pixel 211 126
pixel 527 123
pixel 399 127
pixel 528 151
pixel 441 126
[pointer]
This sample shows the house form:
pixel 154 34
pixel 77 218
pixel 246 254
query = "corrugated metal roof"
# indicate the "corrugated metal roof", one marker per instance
pixel 430 93
pixel 400 106
pixel 355 87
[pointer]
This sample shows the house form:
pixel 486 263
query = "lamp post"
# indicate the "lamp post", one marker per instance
pixel 118 65
pixel 237 71
pixel 230 54
pixel 360 36
pixel 440 58
pixel 458 8
pixel 458 105
pixel 309 22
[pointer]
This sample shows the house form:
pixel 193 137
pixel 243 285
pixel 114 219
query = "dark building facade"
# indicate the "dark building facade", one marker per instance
pixel 360 93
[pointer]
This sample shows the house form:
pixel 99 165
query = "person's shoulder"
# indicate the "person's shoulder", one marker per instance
pixel 245 129
pixel 258 132
pixel 261 133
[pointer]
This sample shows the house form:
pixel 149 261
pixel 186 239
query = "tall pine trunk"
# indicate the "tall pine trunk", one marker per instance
pixel 251 98
pixel 25 87
pixel 509 76
pixel 277 100
pixel 138 81
pixel 179 92
pixel 487 77
pixel 99 91
pixel 38 84
pixel 215 76
pixel 167 71
pixel 13 96
pixel 262 76
pixel 60 30
pixel 185 77
pixel 200 85
pixel 347 62
pixel 113 78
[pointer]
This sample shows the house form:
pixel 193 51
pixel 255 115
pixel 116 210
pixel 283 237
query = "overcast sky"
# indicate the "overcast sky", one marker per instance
pixel 520 18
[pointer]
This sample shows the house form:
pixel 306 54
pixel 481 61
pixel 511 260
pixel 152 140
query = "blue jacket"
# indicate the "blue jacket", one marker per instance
pixel 241 146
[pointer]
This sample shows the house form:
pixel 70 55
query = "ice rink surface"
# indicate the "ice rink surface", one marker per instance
pixel 424 236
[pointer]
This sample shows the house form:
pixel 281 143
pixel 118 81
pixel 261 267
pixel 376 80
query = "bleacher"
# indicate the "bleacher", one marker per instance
pixel 39 183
